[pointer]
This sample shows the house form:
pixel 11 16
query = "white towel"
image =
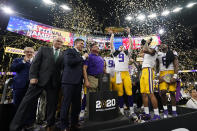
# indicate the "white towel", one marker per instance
pixel 118 77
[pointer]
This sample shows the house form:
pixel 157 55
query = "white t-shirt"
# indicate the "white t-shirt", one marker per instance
pixel 192 103
pixel 110 65
pixel 121 61
pixel 162 61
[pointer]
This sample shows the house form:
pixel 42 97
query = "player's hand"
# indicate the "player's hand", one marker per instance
pixel 161 79
pixel 33 81
pixel 131 60
pixel 86 55
pixel 87 84
pixel 172 80
pixel 127 29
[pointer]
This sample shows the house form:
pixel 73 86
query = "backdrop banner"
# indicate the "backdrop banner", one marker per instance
pixel 47 33
pixel 14 51
pixel 37 30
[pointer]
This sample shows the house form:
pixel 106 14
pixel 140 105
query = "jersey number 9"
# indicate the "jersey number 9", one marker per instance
pixel 121 56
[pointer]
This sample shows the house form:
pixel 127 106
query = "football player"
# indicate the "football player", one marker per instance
pixel 122 76
pixel 147 77
pixel 110 68
pixel 167 63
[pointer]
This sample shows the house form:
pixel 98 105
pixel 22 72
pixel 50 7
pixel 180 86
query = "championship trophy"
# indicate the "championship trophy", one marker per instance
pixel 115 29
pixel 167 78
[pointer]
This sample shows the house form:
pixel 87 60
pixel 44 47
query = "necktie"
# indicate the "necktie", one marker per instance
pixel 56 55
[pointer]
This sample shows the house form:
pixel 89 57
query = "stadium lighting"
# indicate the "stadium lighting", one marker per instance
pixel 165 13
pixel 161 31
pixel 128 18
pixel 190 5
pixel 7 10
pixel 65 7
pixel 141 17
pixel 177 9
pixel 152 15
pixel 49 2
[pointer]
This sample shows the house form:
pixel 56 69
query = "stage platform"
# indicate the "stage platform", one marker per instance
pixel 186 119
pixel 98 126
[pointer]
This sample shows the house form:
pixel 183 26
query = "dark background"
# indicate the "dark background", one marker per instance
pixel 181 28
pixel 106 12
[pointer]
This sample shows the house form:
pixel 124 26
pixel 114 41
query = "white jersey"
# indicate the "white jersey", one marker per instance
pixel 162 61
pixel 149 60
pixel 121 62
pixel 110 65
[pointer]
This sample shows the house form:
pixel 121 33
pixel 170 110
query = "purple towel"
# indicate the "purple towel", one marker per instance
pixel 178 90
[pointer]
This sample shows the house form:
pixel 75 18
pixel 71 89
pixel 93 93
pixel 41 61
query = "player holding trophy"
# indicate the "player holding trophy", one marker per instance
pixel 167 63
pixel 122 76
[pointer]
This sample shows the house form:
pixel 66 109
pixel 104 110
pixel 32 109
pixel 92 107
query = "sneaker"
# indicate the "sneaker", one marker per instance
pixel 122 111
pixel 174 114
pixel 124 106
pixel 133 116
pixel 165 114
pixel 156 117
pixel 145 117
pixel 81 115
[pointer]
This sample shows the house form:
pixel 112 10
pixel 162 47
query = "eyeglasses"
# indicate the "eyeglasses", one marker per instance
pixel 28 52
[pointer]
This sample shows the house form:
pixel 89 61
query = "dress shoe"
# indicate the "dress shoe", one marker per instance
pixel 50 128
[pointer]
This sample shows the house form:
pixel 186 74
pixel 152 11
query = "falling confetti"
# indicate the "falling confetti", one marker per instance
pixel 83 19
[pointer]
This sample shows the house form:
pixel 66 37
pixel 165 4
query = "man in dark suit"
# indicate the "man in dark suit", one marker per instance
pixel 21 80
pixel 45 74
pixel 72 78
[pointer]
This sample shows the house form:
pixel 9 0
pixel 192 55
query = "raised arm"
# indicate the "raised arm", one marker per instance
pixel 147 49
pixel 130 50
pixel 112 41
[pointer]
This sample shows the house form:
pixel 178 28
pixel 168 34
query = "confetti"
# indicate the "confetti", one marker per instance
pixel 84 19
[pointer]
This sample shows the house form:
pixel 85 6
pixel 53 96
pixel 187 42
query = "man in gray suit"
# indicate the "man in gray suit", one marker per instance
pixel 45 74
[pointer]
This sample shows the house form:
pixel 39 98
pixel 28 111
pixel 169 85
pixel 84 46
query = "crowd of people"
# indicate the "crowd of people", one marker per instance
pixel 65 73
